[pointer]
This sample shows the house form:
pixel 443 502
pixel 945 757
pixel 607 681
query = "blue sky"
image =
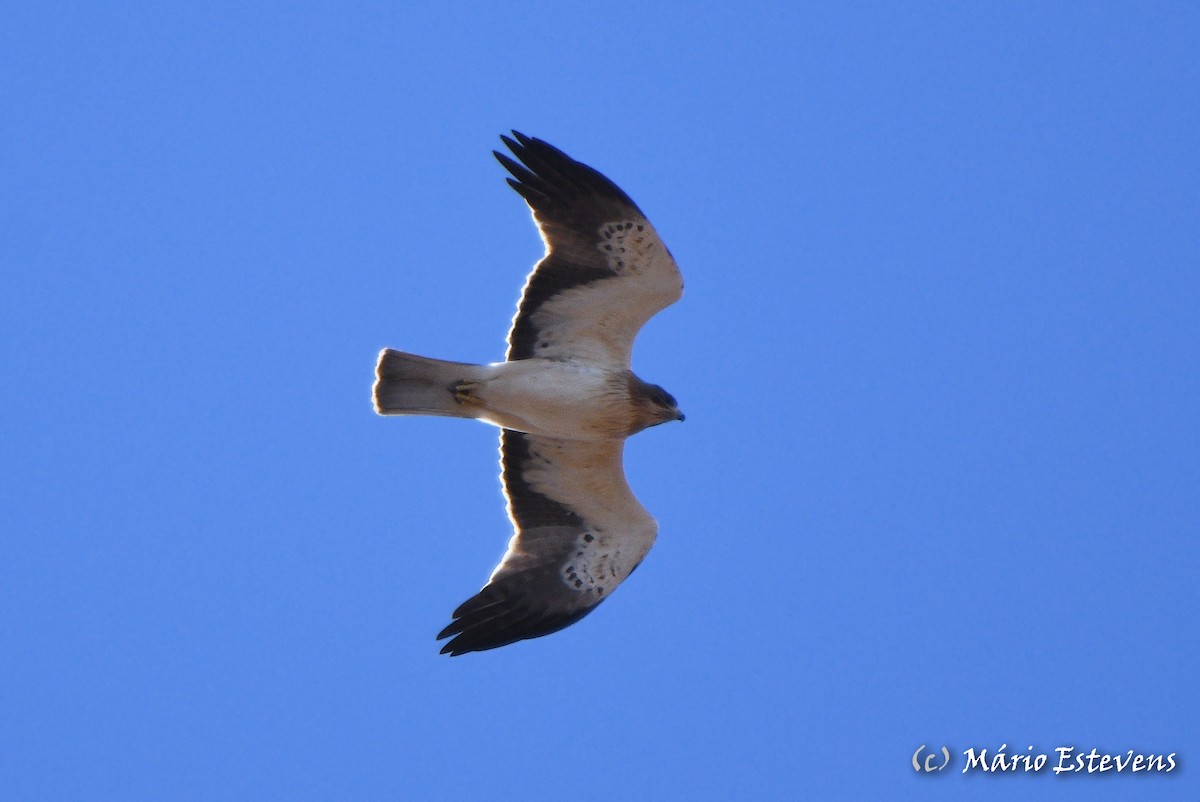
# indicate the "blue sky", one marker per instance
pixel 939 352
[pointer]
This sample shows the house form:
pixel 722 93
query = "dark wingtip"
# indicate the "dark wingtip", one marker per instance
pixel 451 647
pixel 499 623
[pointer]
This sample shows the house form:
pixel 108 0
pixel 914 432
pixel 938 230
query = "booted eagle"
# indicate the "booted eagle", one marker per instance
pixel 565 400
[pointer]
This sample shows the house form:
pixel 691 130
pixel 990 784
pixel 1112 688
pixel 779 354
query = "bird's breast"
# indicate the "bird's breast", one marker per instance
pixel 559 398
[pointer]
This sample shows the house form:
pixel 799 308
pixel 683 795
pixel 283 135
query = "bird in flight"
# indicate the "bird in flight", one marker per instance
pixel 565 399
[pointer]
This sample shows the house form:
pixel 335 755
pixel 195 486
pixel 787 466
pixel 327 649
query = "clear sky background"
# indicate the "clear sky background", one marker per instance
pixel 939 352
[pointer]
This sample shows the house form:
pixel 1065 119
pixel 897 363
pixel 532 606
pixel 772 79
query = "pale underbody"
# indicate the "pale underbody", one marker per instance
pixel 559 398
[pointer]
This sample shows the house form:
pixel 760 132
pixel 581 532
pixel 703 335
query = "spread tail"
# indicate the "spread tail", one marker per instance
pixel 406 384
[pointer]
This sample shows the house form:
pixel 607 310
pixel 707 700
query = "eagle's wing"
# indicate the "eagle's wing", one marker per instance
pixel 605 272
pixel 579 533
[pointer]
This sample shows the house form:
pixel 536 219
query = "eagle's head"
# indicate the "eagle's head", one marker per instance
pixel 652 404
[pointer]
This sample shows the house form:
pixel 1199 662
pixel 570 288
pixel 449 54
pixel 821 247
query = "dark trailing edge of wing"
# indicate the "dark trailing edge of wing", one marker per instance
pixel 570 202
pixel 530 509
pixel 528 598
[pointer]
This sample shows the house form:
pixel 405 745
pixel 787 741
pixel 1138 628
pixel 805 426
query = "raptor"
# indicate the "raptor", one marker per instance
pixel 565 399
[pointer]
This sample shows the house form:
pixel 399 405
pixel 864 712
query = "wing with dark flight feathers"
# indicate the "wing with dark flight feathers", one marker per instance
pixel 579 533
pixel 605 272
